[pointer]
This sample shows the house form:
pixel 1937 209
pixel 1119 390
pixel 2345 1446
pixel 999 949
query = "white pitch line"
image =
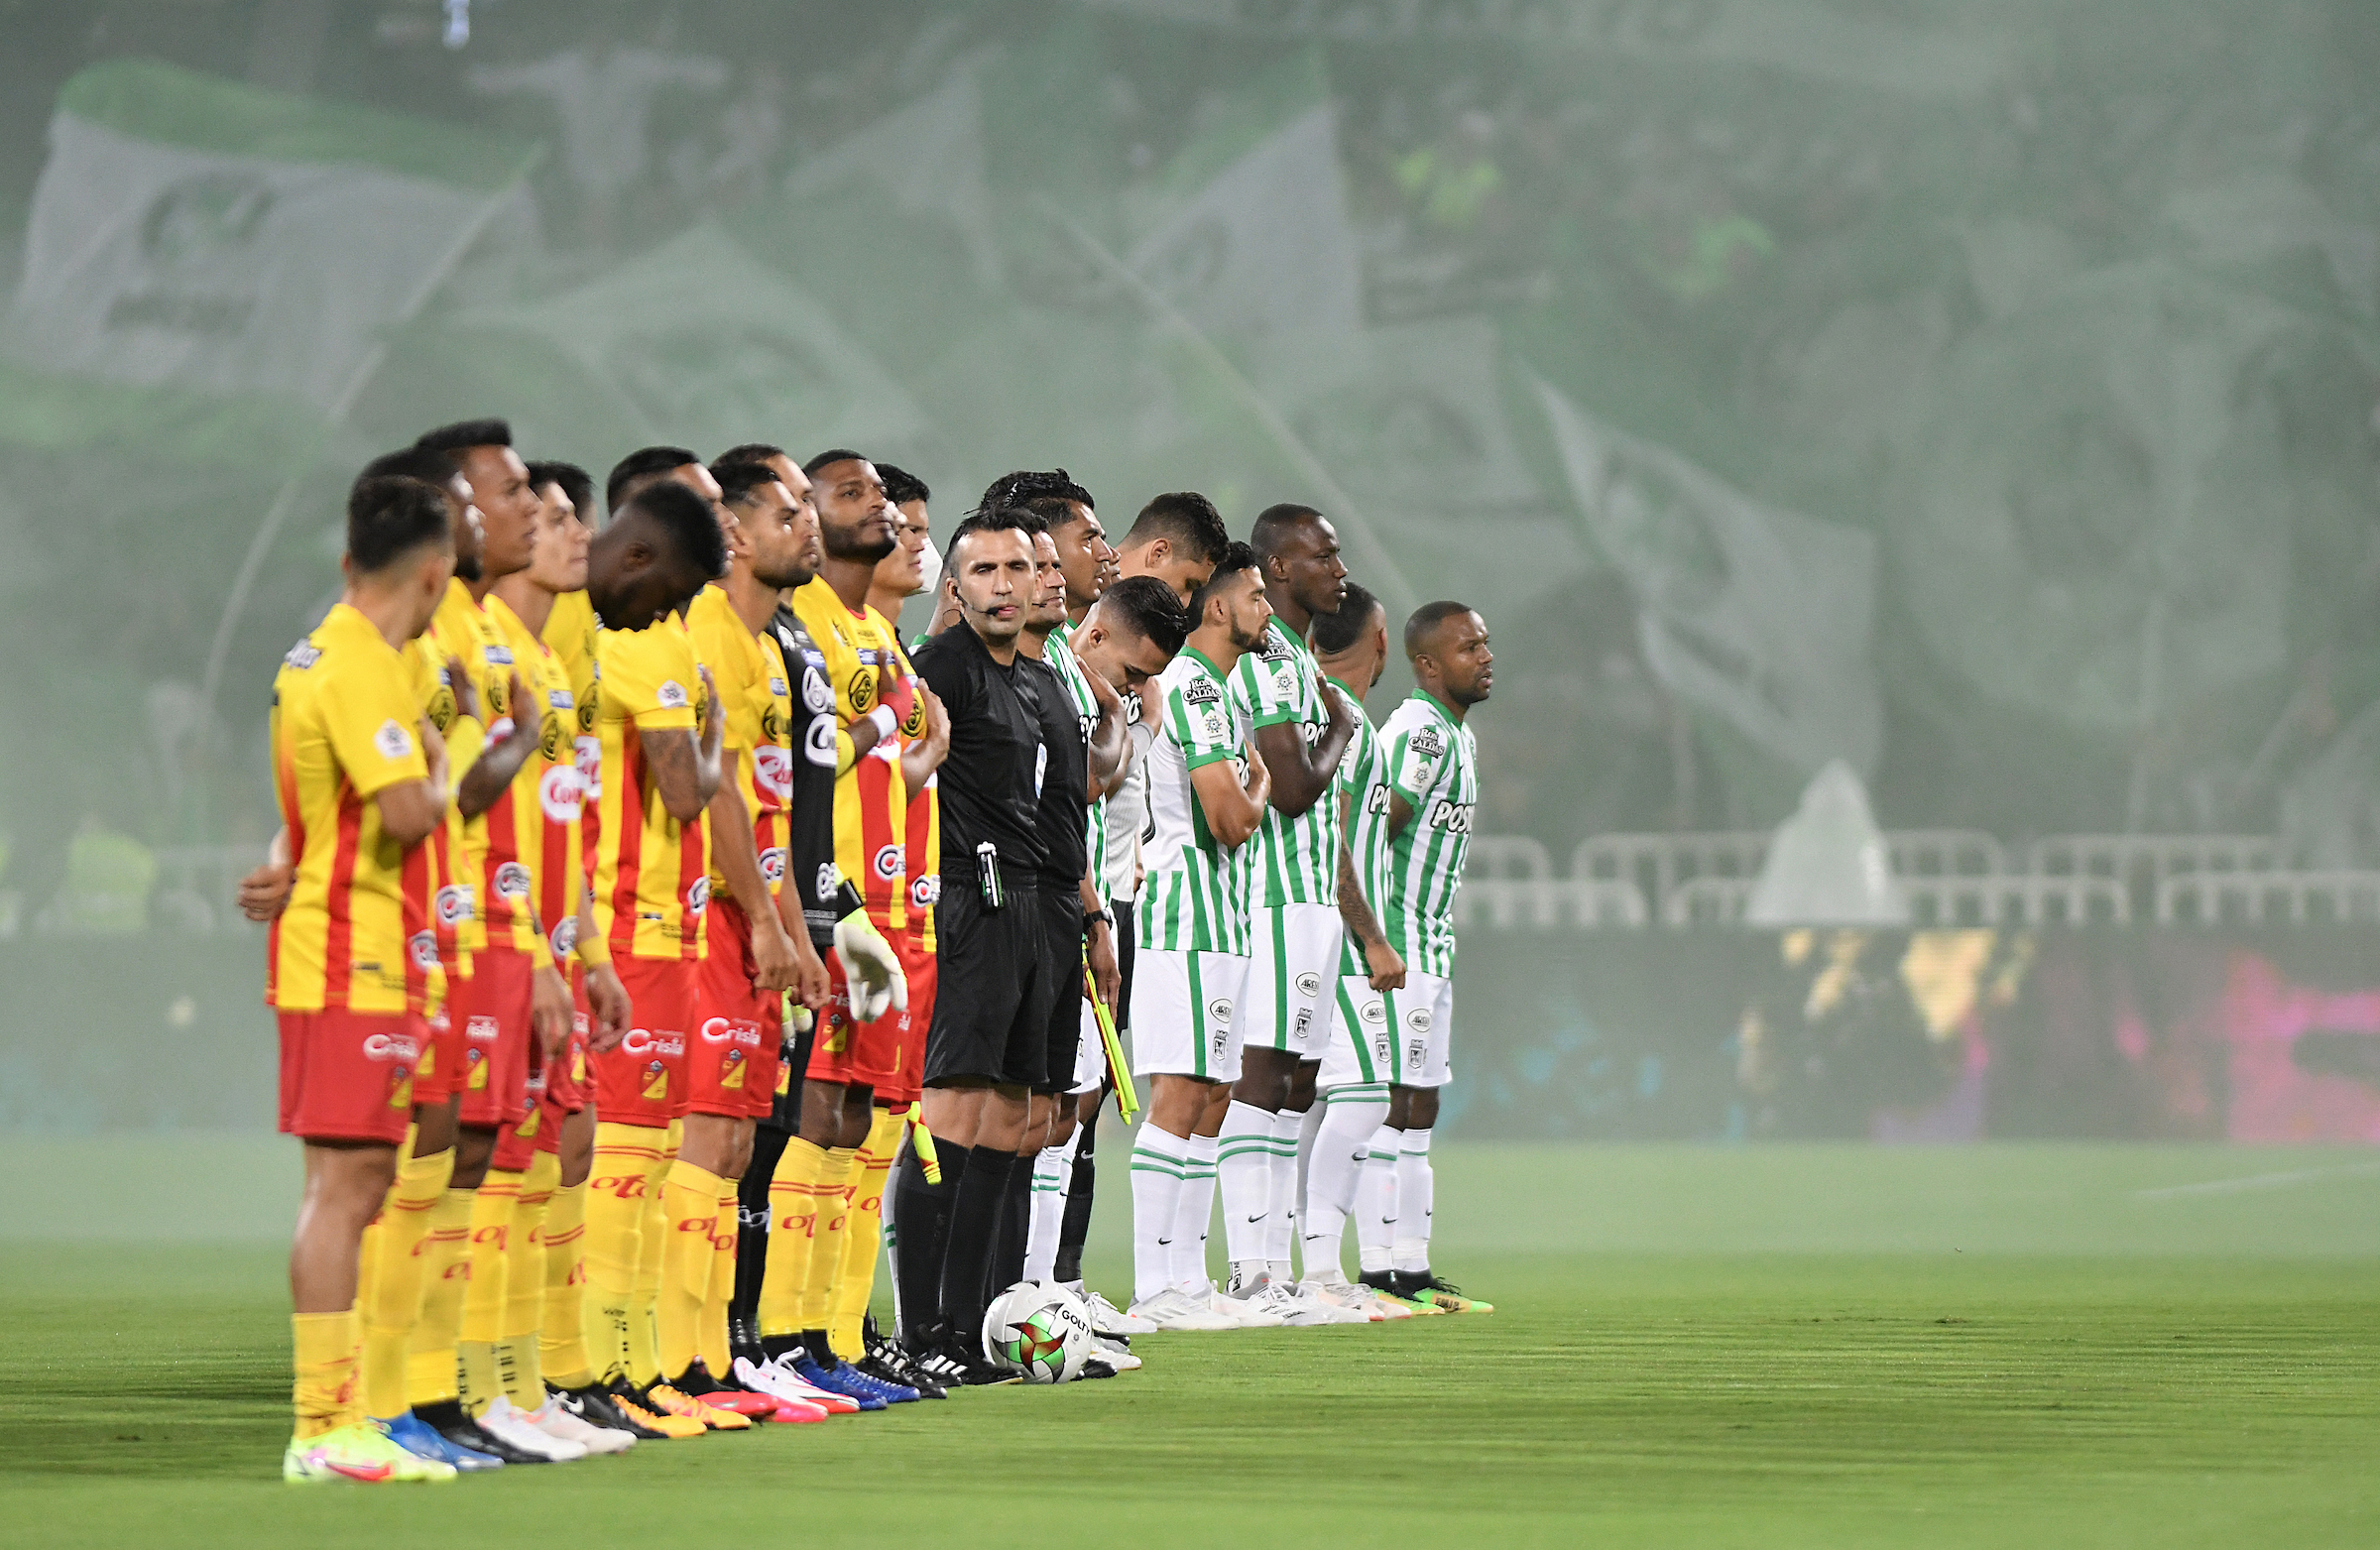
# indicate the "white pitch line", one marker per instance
pixel 2255 1181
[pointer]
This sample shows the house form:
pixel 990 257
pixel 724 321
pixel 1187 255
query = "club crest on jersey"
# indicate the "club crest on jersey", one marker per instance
pixel 862 691
pixel 773 727
pixel 772 864
pixel 393 740
pixel 512 881
pixel 889 862
pixel 698 897
pixel 303 655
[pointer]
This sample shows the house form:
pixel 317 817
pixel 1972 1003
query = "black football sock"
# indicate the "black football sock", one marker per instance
pixel 751 1227
pixel 923 1212
pixel 967 1261
pixel 1074 1228
pixel 822 1350
pixel 1011 1237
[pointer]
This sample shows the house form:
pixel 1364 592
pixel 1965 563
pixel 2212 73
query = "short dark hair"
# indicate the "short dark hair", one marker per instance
pixel 750 452
pixel 644 463
pixel 1187 518
pixel 1006 519
pixel 1426 619
pixel 900 486
pixel 389 516
pixel 411 463
pixel 578 485
pixel 1338 631
pixel 1054 510
pixel 1235 558
pixel 1025 486
pixel 686 518
pixel 464 434
pixel 1273 525
pixel 738 480
pixel 1150 608
pixel 833 454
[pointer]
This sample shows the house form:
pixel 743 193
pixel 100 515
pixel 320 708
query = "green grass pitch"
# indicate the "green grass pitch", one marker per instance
pixel 2043 1347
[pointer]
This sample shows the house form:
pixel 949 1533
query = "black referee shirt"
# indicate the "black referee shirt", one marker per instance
pixel 991 782
pixel 1066 785
pixel 810 816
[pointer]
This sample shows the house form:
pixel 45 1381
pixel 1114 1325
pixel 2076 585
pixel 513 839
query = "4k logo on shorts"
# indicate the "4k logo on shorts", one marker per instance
pixel 1309 984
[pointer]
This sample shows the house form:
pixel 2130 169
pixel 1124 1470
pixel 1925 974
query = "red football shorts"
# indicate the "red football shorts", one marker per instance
pixel 441 1065
pixel 731 1062
pixel 493 1013
pixel 855 1054
pixel 517 1144
pixel 348 1076
pixel 566 1084
pixel 643 1080
pixel 918 963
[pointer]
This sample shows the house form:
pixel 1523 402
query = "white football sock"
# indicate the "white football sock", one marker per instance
pixel 1280 1217
pixel 1053 1176
pixel 1160 1161
pixel 1244 1177
pixel 1350 1118
pixel 1376 1201
pixel 1194 1214
pixel 1414 1186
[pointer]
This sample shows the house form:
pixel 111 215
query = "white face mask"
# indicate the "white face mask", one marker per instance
pixel 929 570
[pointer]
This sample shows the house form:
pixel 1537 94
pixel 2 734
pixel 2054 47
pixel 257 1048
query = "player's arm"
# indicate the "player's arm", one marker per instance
pixel 811 985
pixel 410 811
pixel 924 755
pixel 607 998
pixel 1302 775
pixel 1099 941
pixel 1383 964
pixel 1233 811
pixel 739 855
pixel 1410 776
pixel 265 891
pixel 685 765
pixel 1111 735
pixel 501 759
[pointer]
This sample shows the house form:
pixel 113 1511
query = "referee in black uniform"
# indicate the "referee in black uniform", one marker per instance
pixel 988 1046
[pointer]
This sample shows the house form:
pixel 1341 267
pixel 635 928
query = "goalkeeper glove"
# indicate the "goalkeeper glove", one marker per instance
pixel 870 966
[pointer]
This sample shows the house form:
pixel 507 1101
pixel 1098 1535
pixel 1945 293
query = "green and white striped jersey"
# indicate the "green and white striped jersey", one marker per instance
pixel 1195 896
pixel 1429 759
pixel 1290 861
pixel 1058 657
pixel 1361 778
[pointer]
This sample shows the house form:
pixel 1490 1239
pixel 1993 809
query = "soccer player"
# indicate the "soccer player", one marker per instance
pixel 514 992
pixel 1178 539
pixel 661 767
pixel 361 778
pixel 1350 647
pixel 1208 786
pixel 1430 762
pixel 987 1044
pixel 856 1049
pixel 545 1322
pixel 1292 867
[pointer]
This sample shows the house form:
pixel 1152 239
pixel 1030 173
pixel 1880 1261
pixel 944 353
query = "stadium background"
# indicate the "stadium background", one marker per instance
pixel 1981 395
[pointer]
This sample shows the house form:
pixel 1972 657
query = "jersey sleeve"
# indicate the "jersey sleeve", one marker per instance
pixel 1415 755
pixel 1262 687
pixel 648 679
pixel 741 701
pixel 1199 722
pixel 370 725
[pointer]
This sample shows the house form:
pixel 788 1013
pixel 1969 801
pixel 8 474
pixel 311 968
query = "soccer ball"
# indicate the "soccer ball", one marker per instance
pixel 1040 1331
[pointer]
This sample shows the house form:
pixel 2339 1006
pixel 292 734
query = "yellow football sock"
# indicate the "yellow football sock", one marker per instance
pixel 627 1158
pixel 826 1253
pixel 493 1207
pixel 447 1274
pixel 792 1231
pixel 854 1284
pixel 711 1344
pixel 653 1241
pixel 517 1368
pixel 562 1326
pixel 388 1285
pixel 690 1203
pixel 324 1395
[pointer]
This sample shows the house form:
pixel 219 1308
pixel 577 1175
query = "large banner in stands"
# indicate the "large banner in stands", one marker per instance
pixel 1928 1036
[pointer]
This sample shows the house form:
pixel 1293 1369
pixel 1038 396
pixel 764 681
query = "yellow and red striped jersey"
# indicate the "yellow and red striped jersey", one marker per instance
pixel 652 872
pixel 344 710
pixel 459 632
pixel 532 829
pixel 871 801
pixel 755 757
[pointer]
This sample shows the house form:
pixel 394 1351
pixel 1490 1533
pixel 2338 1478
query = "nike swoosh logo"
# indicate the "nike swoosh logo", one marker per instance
pixel 1260 1216
pixel 1164 1242
pixel 371 1472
